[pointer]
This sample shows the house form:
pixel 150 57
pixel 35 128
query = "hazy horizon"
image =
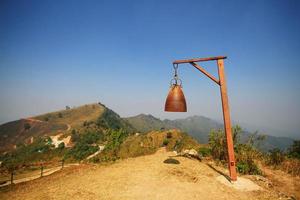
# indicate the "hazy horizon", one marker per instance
pixel 54 54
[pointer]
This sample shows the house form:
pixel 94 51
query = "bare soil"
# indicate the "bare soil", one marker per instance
pixel 145 177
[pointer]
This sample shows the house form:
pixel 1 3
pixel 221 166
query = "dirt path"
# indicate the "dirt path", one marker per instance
pixel 146 177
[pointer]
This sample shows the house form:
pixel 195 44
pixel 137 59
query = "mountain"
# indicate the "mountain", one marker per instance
pixel 199 128
pixel 86 117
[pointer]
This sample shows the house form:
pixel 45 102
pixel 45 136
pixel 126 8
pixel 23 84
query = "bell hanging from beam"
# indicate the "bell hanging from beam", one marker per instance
pixel 175 101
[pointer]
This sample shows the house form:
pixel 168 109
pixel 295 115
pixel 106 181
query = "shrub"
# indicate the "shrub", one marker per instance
pixel 115 139
pixel 84 146
pixel 247 167
pixel 204 151
pixel 61 146
pixel 27 126
pixel 60 115
pixel 245 153
pixel 165 142
pixel 294 150
pixel 275 157
pixel 169 135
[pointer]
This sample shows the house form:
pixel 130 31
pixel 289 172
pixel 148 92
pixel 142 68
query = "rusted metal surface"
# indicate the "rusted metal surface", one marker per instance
pixel 199 59
pixel 175 100
pixel 227 122
pixel 205 72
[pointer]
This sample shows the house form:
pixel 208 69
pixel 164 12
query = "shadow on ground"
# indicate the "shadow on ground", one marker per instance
pixel 171 161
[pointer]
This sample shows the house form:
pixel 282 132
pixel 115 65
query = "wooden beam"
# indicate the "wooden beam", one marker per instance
pixel 227 122
pixel 199 59
pixel 205 72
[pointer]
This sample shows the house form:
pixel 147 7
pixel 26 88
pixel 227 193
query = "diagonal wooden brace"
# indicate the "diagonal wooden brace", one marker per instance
pixel 205 72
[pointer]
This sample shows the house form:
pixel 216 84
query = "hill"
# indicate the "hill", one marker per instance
pixel 199 128
pixel 81 119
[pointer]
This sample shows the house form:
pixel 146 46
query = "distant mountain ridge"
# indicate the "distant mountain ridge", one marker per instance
pixel 199 128
pixel 91 116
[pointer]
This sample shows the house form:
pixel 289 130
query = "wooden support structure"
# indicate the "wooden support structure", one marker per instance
pixel 225 105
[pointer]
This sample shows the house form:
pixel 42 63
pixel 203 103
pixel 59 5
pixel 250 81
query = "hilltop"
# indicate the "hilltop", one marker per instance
pixel 60 123
pixel 149 177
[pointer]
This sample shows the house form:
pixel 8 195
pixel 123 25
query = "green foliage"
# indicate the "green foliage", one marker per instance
pixel 294 150
pixel 204 151
pixel 27 126
pixel 247 167
pixel 24 154
pixel 116 137
pixel 111 120
pixel 245 153
pixel 61 146
pixel 75 136
pixel 276 157
pixel 85 145
pixel 217 143
pixel 165 142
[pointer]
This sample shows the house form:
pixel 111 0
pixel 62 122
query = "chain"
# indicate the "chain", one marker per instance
pixel 175 66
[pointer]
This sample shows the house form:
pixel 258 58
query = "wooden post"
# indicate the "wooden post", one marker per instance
pixel 42 168
pixel 12 178
pixel 227 123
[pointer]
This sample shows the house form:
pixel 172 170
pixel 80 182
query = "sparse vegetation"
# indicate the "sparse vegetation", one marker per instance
pixel 275 157
pixel 165 142
pixel 27 126
pixel 86 145
pixel 246 153
pixel 204 151
pixel 294 150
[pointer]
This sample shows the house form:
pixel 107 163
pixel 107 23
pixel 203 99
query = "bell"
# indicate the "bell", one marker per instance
pixel 175 100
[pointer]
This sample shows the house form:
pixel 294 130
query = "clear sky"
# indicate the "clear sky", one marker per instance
pixel 57 53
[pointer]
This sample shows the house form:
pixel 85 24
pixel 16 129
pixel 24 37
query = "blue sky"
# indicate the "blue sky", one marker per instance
pixel 58 53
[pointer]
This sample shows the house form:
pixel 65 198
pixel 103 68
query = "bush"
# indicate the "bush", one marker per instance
pixel 294 150
pixel 245 153
pixel 204 151
pixel 247 167
pixel 85 145
pixel 60 115
pixel 275 157
pixel 165 142
pixel 61 146
pixel 27 126
pixel 169 135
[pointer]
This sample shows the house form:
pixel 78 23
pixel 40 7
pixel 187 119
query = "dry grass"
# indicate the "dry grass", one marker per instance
pixel 146 177
pixel 75 116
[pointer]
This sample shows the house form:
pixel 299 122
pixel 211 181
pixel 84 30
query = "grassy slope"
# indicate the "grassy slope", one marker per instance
pixel 76 116
pixel 143 144
pixel 13 133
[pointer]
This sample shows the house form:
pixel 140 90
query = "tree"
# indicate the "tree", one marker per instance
pixel 294 150
pixel 68 107
pixel 27 126
pixel 60 115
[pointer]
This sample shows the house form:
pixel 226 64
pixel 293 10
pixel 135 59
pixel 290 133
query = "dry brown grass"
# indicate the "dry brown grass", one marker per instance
pixel 145 177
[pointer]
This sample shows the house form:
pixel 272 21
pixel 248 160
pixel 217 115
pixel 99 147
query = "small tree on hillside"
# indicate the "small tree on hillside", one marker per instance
pixel 27 126
pixel 294 150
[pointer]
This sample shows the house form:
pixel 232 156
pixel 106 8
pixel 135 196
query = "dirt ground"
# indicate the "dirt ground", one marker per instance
pixel 145 177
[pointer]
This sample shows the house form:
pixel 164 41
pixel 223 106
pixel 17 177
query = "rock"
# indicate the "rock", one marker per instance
pixel 190 153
